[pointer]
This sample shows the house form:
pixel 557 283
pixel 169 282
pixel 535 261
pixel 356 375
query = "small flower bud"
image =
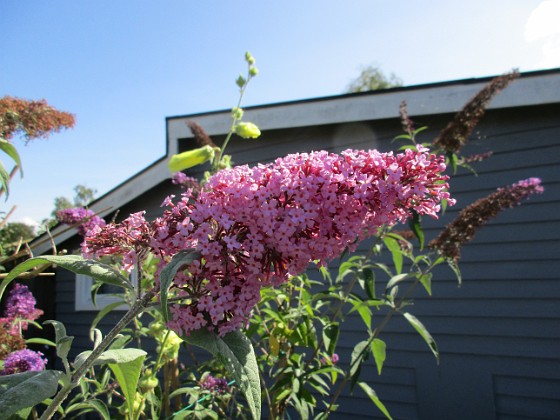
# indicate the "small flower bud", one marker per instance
pixel 247 130
pixel 253 71
pixel 249 58
pixel 237 113
pixel 190 158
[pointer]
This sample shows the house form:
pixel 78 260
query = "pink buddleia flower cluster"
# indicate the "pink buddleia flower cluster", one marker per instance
pixel 127 238
pixel 85 217
pixel 20 305
pixel 23 361
pixel 254 227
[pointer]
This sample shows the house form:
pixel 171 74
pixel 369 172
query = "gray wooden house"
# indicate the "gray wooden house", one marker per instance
pixel 499 334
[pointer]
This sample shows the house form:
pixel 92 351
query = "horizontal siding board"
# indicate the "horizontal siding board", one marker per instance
pixel 519 386
pixel 483 326
pixel 513 347
pixel 533 408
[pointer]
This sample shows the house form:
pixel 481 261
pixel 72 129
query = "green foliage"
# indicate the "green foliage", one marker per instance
pixel 13 234
pixel 372 78
pixel 127 374
pixel 23 390
pixel 101 272
pixel 234 350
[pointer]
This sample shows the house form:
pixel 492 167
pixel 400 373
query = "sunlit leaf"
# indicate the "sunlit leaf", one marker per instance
pixel 75 263
pixel 378 349
pixel 393 245
pixel 418 326
pixel 373 396
pixel 127 375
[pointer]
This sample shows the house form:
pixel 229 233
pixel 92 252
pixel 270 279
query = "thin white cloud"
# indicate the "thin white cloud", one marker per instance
pixel 543 29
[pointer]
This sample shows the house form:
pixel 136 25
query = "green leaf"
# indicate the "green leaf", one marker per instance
pixel 367 282
pixel 38 340
pixel 359 355
pixel 235 351
pixel 111 356
pixel 4 180
pixel 364 310
pixel 373 396
pixel 96 405
pixel 75 263
pixel 455 267
pixel 426 280
pixel 127 375
pixel 393 245
pixel 11 151
pixel 27 389
pixel 415 225
pixel 397 279
pixel 418 326
pixel 63 341
pixel 167 275
pixel 330 336
pixel 378 349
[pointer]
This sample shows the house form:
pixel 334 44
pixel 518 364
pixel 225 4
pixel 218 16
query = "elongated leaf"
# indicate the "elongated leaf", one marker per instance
pixel 111 356
pixel 393 245
pixel 426 280
pixel 27 389
pixel 235 351
pixel 456 270
pixel 38 340
pixel 330 336
pixel 397 279
pixel 75 263
pixel 359 355
pixel 373 396
pixel 415 225
pixel 96 405
pixel 364 310
pixel 11 151
pixel 367 282
pixel 179 260
pixel 418 326
pixel 379 354
pixel 63 341
pixel 127 375
pixel 4 179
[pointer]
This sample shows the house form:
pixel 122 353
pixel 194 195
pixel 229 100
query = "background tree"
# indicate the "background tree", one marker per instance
pixel 83 195
pixel 372 78
pixel 12 234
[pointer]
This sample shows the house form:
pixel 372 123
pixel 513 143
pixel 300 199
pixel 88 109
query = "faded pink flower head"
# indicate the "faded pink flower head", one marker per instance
pixel 85 217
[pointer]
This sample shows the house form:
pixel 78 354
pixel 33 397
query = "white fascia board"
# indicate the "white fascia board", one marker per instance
pixel 428 100
pixel 114 199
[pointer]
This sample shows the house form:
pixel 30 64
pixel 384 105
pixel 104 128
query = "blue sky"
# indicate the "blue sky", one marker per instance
pixel 122 66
